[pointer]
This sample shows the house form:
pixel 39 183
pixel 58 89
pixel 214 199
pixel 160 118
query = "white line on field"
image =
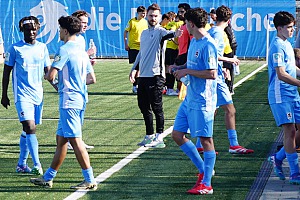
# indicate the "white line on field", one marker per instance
pixel 117 167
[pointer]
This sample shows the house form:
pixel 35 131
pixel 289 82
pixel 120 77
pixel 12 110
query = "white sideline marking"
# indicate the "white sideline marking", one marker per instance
pixel 249 75
pixel 117 167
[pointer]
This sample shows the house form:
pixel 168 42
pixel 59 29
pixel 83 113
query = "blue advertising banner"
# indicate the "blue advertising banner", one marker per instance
pixel 108 18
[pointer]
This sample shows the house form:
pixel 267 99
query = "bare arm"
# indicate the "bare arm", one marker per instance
pixel 229 60
pixel 5 81
pixel 51 74
pixel 90 78
pixel 284 76
pixel 205 74
pixel 125 40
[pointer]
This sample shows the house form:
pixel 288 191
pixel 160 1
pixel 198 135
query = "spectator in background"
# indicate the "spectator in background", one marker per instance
pixel 171 54
pixel 230 54
pixel 132 34
pixel 152 76
pixel 213 17
pixel 27 58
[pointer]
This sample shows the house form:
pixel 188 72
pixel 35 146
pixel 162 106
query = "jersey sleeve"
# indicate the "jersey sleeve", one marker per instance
pixel 128 26
pixel 277 57
pixel 210 56
pixel 60 59
pixel 10 56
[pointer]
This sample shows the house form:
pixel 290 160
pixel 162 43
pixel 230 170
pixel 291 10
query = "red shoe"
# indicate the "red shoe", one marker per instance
pixel 200 178
pixel 201 150
pixel 201 190
pixel 240 150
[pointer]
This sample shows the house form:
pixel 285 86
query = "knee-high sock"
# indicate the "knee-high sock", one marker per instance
pixel 191 151
pixel 293 162
pixel 280 155
pixel 88 175
pixel 209 164
pixel 232 137
pixel 50 174
pixel 33 147
pixel 24 151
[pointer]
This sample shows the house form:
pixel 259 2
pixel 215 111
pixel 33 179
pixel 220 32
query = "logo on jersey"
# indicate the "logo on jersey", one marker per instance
pixel 22 114
pixel 289 115
pixel 197 54
pixel 6 56
pixel 277 57
pixel 57 58
pixel 212 61
pixel 48 12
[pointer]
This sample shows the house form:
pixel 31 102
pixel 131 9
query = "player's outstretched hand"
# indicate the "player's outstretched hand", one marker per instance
pixel 5 102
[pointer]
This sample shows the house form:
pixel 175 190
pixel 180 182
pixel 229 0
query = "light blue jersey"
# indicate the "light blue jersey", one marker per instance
pixel 217 33
pixel 72 63
pixel 202 55
pixel 281 54
pixel 28 62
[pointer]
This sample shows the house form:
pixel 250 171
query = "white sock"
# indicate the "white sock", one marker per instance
pixel 158 136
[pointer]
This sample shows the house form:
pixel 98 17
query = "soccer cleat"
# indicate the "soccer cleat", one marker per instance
pixel 84 185
pixel 134 89
pixel 171 92
pixel 37 170
pixel 156 144
pixel 147 140
pixel 70 146
pixel 277 167
pixel 42 182
pixel 201 189
pixel 295 179
pixel 87 146
pixel 23 169
pixel 239 150
pixel 200 178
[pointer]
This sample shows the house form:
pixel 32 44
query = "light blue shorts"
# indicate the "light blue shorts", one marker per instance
pixel 223 94
pixel 29 111
pixel 70 123
pixel 286 113
pixel 200 122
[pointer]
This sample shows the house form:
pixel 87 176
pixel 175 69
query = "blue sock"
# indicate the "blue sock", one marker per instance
pixel 198 143
pixel 232 137
pixel 293 162
pixel 24 151
pixel 50 174
pixel 209 164
pixel 280 155
pixel 88 175
pixel 191 151
pixel 33 147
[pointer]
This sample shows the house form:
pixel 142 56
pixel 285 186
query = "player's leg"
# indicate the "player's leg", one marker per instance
pixel 22 166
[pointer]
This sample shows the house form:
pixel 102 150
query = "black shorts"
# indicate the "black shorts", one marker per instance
pixel 132 53
pixel 181 59
pixel 171 55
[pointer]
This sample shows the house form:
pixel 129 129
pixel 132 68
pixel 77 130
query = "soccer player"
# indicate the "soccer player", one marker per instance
pixel 196 112
pixel 132 34
pixel 70 63
pixel 283 93
pixel 28 59
pixel 91 78
pixel 224 97
pixel 152 76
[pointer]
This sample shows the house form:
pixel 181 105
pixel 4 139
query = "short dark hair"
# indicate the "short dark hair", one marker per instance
pixel 80 13
pixel 185 6
pixel 282 18
pixel 71 23
pixel 212 11
pixel 198 16
pixel 29 20
pixel 141 9
pixel 166 16
pixel 153 6
pixel 223 13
